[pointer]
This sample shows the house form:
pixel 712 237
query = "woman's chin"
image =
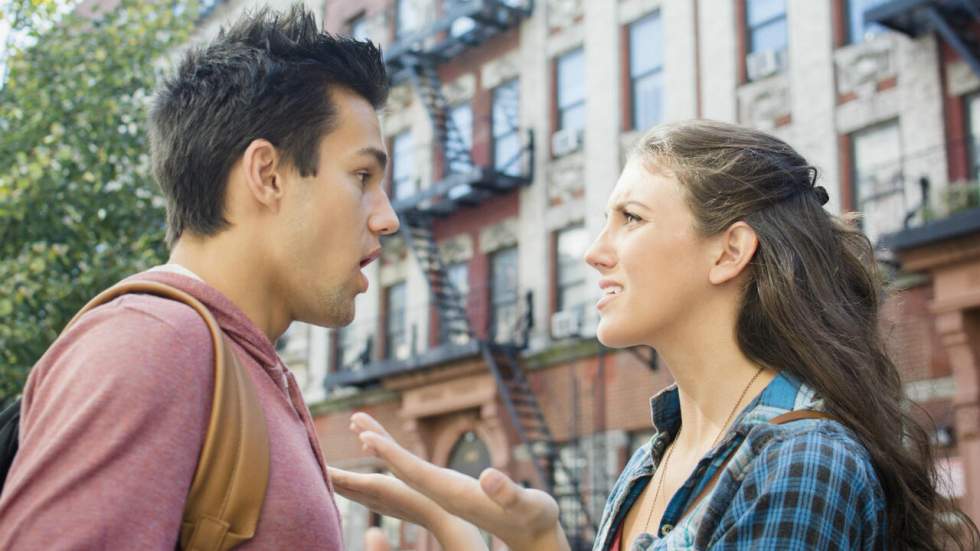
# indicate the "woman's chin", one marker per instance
pixel 610 337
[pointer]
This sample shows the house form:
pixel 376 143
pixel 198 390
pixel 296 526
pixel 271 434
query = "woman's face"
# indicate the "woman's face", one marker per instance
pixel 653 263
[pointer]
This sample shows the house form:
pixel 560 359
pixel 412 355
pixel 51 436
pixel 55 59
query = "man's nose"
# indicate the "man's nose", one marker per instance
pixel 383 220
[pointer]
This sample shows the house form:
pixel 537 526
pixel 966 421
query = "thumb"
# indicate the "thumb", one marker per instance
pixel 501 489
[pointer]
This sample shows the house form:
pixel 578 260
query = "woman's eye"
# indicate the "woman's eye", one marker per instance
pixel 630 217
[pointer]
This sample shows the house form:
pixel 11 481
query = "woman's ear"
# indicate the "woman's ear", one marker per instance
pixel 735 248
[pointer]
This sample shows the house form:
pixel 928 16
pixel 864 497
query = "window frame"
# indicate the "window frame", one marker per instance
pixel 391 316
pixel 400 31
pixel 851 24
pixel 398 160
pixel 583 275
pixel 857 201
pixel 466 136
pixel 971 102
pixel 560 109
pixel 514 132
pixel 635 78
pixel 750 29
pixel 495 303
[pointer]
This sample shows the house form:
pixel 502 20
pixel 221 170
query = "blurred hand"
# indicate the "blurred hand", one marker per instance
pixel 525 519
pixel 375 540
pixel 391 497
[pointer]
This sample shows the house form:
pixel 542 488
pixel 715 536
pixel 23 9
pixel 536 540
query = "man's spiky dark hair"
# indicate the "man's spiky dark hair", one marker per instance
pixel 267 76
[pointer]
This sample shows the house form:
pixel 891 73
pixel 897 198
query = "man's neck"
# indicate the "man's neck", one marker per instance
pixel 219 262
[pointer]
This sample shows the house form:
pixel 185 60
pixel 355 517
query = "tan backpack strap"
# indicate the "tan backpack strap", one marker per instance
pixel 797 415
pixel 228 489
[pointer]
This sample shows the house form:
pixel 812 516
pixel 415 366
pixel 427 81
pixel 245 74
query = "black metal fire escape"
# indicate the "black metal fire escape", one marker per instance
pixel 416 59
pixel 955 21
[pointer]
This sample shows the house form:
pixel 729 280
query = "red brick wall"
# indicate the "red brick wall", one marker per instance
pixel 339 444
pixel 909 331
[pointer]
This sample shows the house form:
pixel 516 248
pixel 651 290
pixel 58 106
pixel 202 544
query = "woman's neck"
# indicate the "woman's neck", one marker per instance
pixel 715 381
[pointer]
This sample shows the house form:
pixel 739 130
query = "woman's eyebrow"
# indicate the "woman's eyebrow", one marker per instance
pixel 624 204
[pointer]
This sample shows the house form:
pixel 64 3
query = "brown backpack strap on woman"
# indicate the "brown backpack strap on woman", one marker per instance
pixel 797 415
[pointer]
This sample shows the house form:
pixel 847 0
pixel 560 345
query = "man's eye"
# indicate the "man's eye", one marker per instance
pixel 364 177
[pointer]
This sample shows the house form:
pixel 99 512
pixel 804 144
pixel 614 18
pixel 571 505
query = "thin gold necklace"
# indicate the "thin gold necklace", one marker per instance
pixel 670 450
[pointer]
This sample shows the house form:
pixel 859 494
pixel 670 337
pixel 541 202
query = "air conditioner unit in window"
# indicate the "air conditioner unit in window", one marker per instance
pixel 762 64
pixel 565 141
pixel 565 324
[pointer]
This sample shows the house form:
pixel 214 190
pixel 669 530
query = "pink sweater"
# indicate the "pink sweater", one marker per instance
pixel 113 419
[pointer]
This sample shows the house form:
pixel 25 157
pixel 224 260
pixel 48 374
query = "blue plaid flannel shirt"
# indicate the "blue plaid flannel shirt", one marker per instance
pixel 806 485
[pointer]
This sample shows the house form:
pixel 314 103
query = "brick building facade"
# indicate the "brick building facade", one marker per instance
pixel 508 125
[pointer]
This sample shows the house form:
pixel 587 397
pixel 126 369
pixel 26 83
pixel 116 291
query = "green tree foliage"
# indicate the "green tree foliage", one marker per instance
pixel 78 207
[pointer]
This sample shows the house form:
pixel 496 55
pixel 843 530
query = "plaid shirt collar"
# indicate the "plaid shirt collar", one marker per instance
pixel 784 393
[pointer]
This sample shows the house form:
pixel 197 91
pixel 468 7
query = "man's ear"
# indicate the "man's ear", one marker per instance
pixel 262 167
pixel 735 248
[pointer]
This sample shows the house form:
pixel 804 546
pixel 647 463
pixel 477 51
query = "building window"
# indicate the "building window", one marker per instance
pixel 503 295
pixel 459 148
pixel 403 181
pixel 459 276
pixel 396 337
pixel 857 29
pixel 766 25
pixel 570 269
pixel 973 122
pixel 357 27
pixel 352 351
pixel 406 18
pixel 879 183
pixel 571 90
pixel 505 122
pixel 646 71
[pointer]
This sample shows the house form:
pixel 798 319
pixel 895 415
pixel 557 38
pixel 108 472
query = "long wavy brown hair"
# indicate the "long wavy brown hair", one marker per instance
pixel 810 307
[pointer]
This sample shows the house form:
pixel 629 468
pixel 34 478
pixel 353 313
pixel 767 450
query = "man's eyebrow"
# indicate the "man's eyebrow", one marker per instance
pixel 380 156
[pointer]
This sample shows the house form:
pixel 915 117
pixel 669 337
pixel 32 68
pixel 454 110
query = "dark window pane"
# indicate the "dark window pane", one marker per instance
pixel 469 455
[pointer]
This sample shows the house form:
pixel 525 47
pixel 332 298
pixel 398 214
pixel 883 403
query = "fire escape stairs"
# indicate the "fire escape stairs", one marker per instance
pixel 522 405
pixel 955 21
pixel 464 184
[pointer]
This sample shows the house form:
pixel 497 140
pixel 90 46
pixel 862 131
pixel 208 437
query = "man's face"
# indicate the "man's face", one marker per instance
pixel 331 222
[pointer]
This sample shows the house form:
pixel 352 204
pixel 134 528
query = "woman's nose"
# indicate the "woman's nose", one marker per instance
pixel 599 255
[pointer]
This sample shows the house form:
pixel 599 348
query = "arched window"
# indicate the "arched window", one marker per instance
pixel 469 455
